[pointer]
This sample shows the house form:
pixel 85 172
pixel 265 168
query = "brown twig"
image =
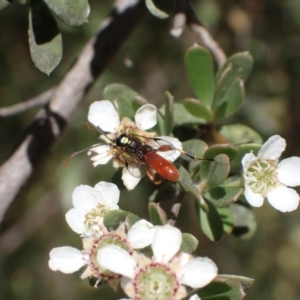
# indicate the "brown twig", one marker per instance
pixel 175 209
pixel 39 100
pixel 50 121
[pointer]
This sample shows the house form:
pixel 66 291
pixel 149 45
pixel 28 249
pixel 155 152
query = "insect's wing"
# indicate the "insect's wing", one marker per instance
pixel 135 166
pixel 163 147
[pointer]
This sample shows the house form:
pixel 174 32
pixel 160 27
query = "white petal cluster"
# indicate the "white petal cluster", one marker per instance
pixel 266 177
pixel 103 115
pixel 169 269
pixel 90 203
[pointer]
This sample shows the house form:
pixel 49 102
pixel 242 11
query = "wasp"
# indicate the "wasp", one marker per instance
pixel 142 155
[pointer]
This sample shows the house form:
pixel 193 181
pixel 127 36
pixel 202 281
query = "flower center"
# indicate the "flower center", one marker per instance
pixel 155 282
pixel 261 176
pixel 93 218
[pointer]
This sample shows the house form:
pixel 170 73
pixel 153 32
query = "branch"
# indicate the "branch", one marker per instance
pixel 50 121
pixel 184 8
pixel 39 100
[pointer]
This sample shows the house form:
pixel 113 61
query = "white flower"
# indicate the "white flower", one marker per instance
pixel 69 260
pixel 89 206
pixel 103 115
pixel 166 275
pixel 266 178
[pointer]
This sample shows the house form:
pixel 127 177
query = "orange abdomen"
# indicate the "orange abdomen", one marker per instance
pixel 162 166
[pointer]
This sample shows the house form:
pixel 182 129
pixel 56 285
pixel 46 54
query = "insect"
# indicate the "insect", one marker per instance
pixel 141 156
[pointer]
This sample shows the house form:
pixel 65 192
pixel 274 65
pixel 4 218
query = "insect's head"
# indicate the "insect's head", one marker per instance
pixel 122 140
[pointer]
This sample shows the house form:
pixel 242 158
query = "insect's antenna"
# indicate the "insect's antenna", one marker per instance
pixel 78 152
pixel 88 124
pixel 193 156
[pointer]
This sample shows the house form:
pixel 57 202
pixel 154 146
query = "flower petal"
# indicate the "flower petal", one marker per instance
pixel 103 114
pixel 247 160
pixel 166 242
pixel 198 272
pixel 283 198
pixel 146 117
pixel 169 155
pixel 116 260
pixel 66 259
pixel 288 171
pixel 140 234
pixel 194 297
pixel 107 194
pixel 83 198
pixel 254 199
pixel 272 148
pixel 76 220
pixel 104 155
pixel 129 181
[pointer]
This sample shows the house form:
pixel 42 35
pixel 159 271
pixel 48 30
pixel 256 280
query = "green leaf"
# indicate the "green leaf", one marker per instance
pixel 214 173
pixel 114 218
pixel 22 1
pixel 236 67
pixel 169 114
pixel 226 193
pixel 244 220
pixel 124 96
pixel 235 164
pixel 113 91
pixel 189 243
pixel 186 183
pixel 240 134
pixel 3 4
pixel 228 149
pixel 44 38
pixel 131 219
pixel 194 147
pixel 157 214
pixel 161 8
pixel 211 222
pixel 227 219
pixel 125 108
pixel 183 117
pixel 232 99
pixel 226 287
pixel 72 13
pixel 198 109
pixel 199 68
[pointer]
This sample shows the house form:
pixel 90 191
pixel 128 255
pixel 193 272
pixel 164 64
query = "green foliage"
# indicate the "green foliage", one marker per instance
pixel 199 68
pixel 161 8
pixel 157 215
pixel 189 243
pixel 226 287
pixel 72 13
pixel 44 37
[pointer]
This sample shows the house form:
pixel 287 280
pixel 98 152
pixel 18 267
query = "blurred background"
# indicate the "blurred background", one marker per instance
pixel 35 223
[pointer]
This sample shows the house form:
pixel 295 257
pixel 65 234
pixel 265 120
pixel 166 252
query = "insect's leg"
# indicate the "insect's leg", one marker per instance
pixel 154 177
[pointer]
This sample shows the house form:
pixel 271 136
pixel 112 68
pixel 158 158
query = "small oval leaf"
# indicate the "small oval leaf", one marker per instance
pixel 72 13
pixel 189 243
pixel 211 223
pixel 156 214
pixel 232 100
pixel 198 109
pixel 45 40
pixel 169 114
pixel 200 72
pixel 161 8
